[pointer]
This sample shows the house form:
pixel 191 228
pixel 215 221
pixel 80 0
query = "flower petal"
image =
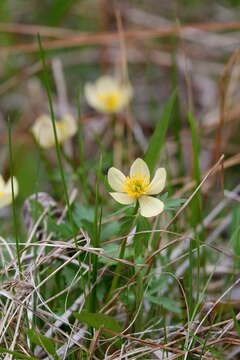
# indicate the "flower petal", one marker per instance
pixel 6 191
pixel 92 97
pixel 8 187
pixel 5 200
pixel 116 179
pixel 127 94
pixel 107 84
pixel 2 184
pixel 43 131
pixel 139 167
pixel 150 206
pixel 158 182
pixel 108 94
pixel 69 127
pixel 122 198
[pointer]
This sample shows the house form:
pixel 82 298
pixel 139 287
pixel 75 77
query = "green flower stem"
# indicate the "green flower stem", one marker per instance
pixel 139 294
pixel 67 158
pixel 121 256
pixel 117 141
pixel 83 168
pixel 48 168
pixel 93 303
pixel 13 202
pixel 58 149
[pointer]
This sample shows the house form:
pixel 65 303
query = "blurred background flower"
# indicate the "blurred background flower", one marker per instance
pixel 6 191
pixel 108 94
pixel 44 134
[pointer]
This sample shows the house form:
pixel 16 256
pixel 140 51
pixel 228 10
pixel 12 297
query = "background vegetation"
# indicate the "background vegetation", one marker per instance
pixel 178 294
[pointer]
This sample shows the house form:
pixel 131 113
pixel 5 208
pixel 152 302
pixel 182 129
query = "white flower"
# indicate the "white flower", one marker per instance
pixel 6 191
pixel 44 134
pixel 137 186
pixel 108 94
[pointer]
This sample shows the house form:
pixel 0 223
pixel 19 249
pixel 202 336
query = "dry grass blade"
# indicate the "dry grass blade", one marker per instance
pixel 109 38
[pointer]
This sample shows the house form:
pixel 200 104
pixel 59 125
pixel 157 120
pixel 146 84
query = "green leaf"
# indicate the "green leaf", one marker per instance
pixel 196 203
pixel 173 204
pixel 157 285
pixel 41 340
pixel 110 250
pixel 157 140
pixel 235 240
pixel 62 230
pixel 235 227
pixel 17 354
pixel 196 149
pixel 57 11
pixel 81 213
pixel 109 230
pixel 97 320
pixel 141 240
pixel 166 303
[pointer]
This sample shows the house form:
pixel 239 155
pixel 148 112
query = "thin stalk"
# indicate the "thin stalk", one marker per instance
pixel 176 120
pixel 139 293
pixel 49 168
pixel 117 141
pixel 82 174
pixel 121 256
pixel 58 150
pixel 196 205
pixel 96 243
pixel 67 158
pixel 13 202
pixel 35 250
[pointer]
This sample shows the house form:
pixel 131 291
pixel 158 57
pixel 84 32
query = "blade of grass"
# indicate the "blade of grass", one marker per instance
pixel 176 119
pixel 58 11
pixel 14 214
pixel 96 243
pixel 83 168
pixel 157 140
pixel 58 149
pixel 196 213
pixel 17 354
pixel 119 265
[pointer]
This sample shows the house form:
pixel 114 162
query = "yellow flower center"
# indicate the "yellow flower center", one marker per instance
pixel 2 193
pixel 110 100
pixel 136 186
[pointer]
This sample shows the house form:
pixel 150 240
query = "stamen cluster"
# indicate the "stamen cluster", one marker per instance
pixel 136 186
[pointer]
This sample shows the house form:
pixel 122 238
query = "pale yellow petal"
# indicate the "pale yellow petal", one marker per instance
pixel 116 179
pixel 92 97
pixel 2 183
pixel 122 198
pixel 150 206
pixel 139 167
pixel 127 93
pixel 69 126
pixel 107 84
pixel 43 131
pixel 158 182
pixel 108 94
pixel 8 187
pixel 5 200
pixel 6 192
